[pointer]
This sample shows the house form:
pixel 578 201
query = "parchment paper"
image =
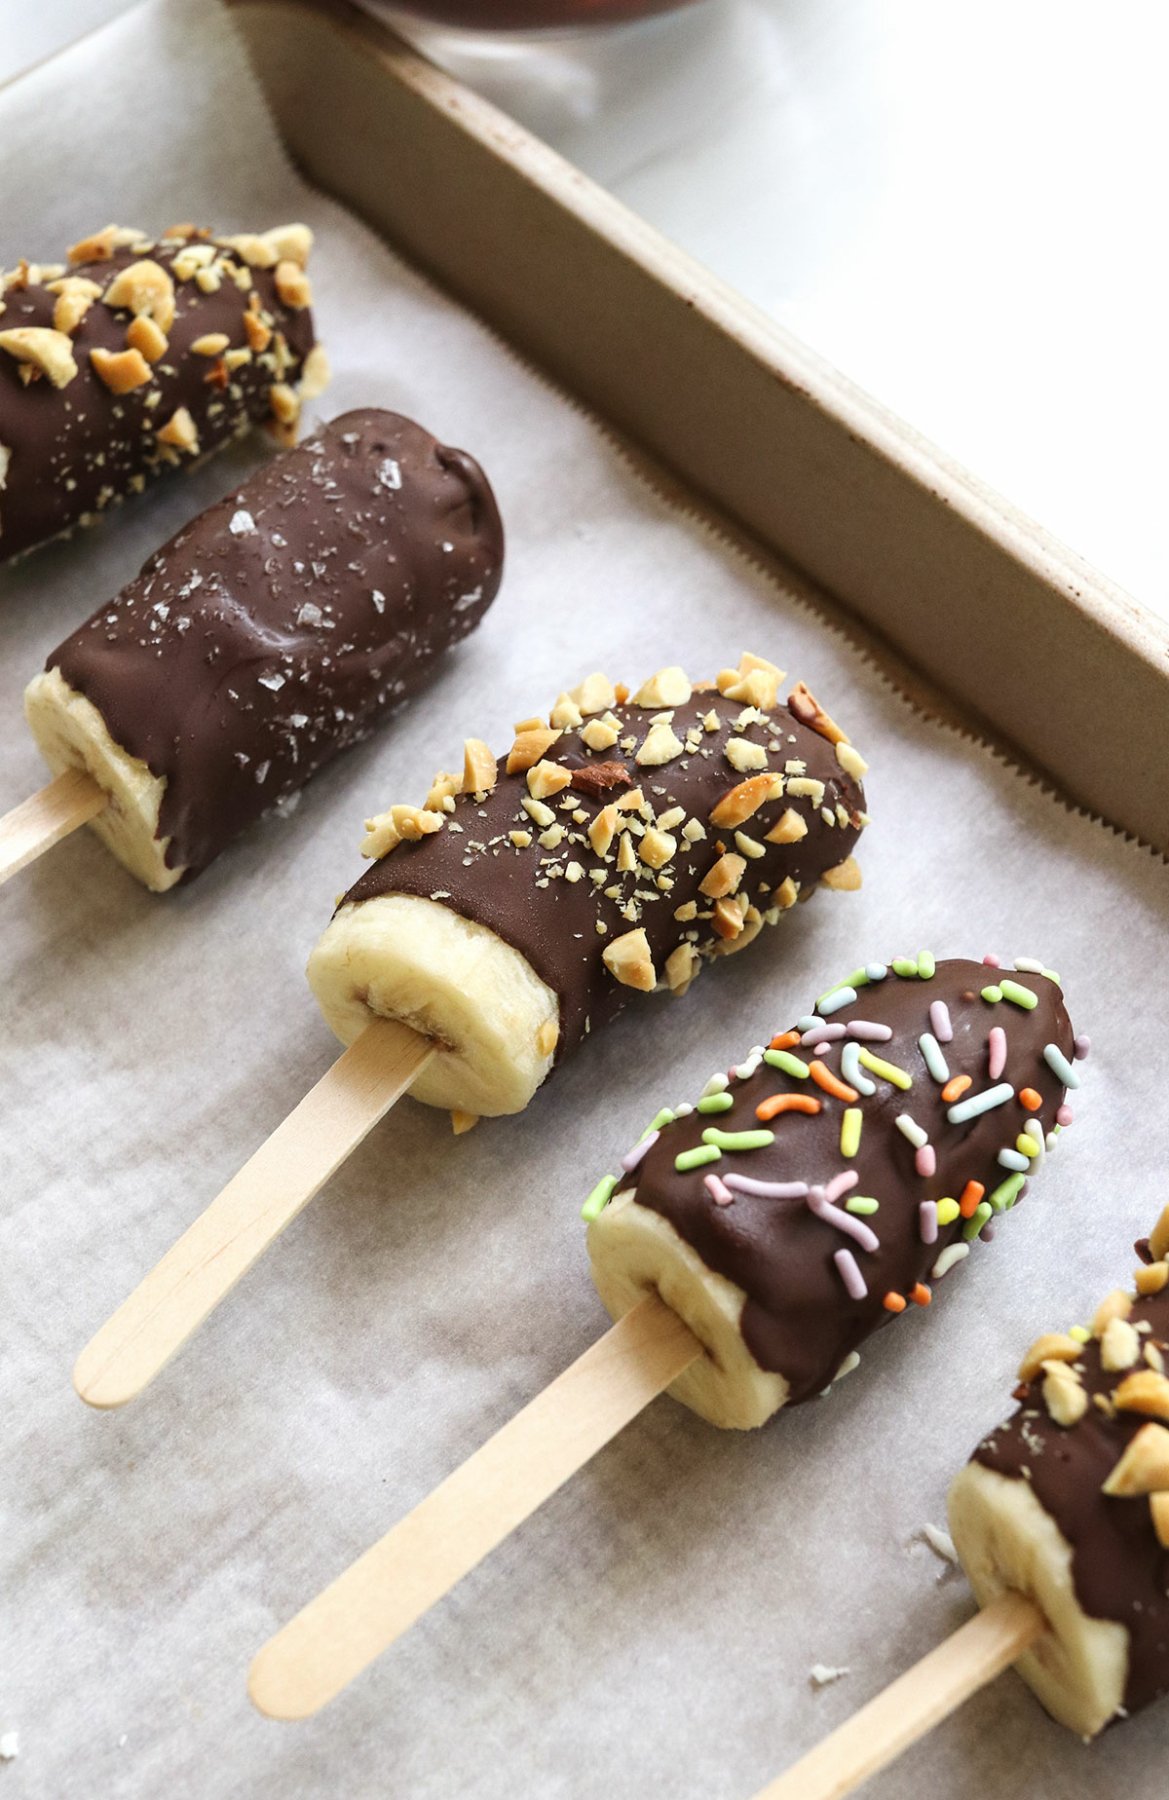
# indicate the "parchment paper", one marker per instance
pixel 653 1629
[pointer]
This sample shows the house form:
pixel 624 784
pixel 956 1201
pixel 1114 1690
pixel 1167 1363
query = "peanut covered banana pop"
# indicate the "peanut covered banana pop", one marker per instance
pixel 622 842
pixel 1068 1504
pixel 268 636
pixel 817 1190
pixel 141 355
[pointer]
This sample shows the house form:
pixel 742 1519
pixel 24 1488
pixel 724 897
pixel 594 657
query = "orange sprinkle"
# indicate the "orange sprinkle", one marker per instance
pixel 786 1040
pixel 971 1195
pixel 781 1103
pixel 920 1294
pixel 823 1077
pixel 954 1089
pixel 1030 1099
pixel 894 1303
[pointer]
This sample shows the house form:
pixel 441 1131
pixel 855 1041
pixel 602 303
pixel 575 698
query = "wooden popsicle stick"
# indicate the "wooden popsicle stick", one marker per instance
pixel 917 1701
pixel 251 1212
pixel 46 817
pixel 381 1595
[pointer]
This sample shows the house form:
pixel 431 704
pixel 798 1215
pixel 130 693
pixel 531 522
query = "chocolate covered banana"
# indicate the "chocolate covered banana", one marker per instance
pixel 267 636
pixel 1068 1504
pixel 141 354
pixel 623 842
pixel 818 1189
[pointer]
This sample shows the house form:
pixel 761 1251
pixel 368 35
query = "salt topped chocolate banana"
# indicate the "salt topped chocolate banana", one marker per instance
pixel 818 1189
pixel 1068 1503
pixel 142 354
pixel 622 842
pixel 267 636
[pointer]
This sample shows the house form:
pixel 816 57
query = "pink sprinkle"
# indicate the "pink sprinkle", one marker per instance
pixel 718 1190
pixel 927 1221
pixel 851 1276
pixel 926 1163
pixel 993 962
pixel 822 1033
pixel 632 1157
pixel 986 1234
pixel 1082 1046
pixel 840 1184
pixel 1064 1115
pixel 865 1236
pixel 996 1047
pixel 821 1049
pixel 768 1190
pixel 940 1021
pixel 868 1032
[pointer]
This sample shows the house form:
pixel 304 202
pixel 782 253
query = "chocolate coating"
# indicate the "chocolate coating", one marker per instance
pixel 524 896
pixel 1119 1569
pixel 274 631
pixel 76 450
pixel 799 1320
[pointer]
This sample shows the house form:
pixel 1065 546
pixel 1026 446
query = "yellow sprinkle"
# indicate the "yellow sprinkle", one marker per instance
pixel 850 1132
pixel 1081 1334
pixel 1026 1145
pixel 886 1070
pixel 948 1211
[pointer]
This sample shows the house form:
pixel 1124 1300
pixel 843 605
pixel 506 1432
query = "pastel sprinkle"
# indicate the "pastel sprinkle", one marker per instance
pixel 841 1183
pixel 876 971
pixel 931 1052
pixel 955 1088
pixel 894 1303
pixel 864 1204
pixel 850 1132
pixel 784 1040
pixel 791 1065
pixel 1029 1099
pixel 694 1159
pixel 717 1084
pixel 737 1140
pixel 977 1104
pixel 912 1130
pixel 1007 1192
pixel 971 1194
pixel 1059 1065
pixel 887 1071
pixel 940 1021
pixel 786 1103
pixel 925 1161
pixel 841 996
pixel 858 979
pixel 823 1077
pixel 993 994
pixel 1011 1159
pixel 718 1190
pixel 906 967
pixel 1064 1115
pixel 850 1274
pixel 1018 995
pixel 947 1210
pixel 952 1254
pixel 822 1033
pixel 974 1224
pixel 768 1190
pixel 926 965
pixel 1028 965
pixel 991 961
pixel 1028 1144
pixel 599 1199
pixel 665 1117
pixel 869 1031
pixel 821 1206
pixel 927 1221
pixel 809 1022
pixel 851 1069
pixel 920 1294
pixel 639 1151
pixel 996 1052
pixel 1082 1046
pixel 716 1103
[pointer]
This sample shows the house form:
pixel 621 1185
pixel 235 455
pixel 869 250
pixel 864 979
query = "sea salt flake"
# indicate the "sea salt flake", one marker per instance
pixel 241 523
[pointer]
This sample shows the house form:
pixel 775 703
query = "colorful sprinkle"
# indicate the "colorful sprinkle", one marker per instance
pixel 974 1224
pixel 1082 1046
pixel 1064 1114
pixel 851 1069
pixel 931 1052
pixel 906 967
pixel 955 1088
pixel 717 1084
pixel 790 1065
pixel 819 1204
pixel 1059 1065
pixel 920 1294
pixel 718 1190
pixel 850 1132
pixel 786 1103
pixel 664 1118
pixel 1007 1192
pixel 943 1030
pixel 996 1052
pixel 599 1199
pixel 925 1161
pixel 1029 1099
pixel 869 1031
pixel 926 965
pixel 768 1190
pixel 1011 1159
pixel 850 1274
pixel 948 1210
pixel 981 1103
pixel 808 1023
pixel 737 1140
pixel 864 1204
pixel 927 1221
pixel 887 1071
pixel 1028 965
pixel 639 1151
pixel 953 1253
pixel 840 1184
pixel 971 1194
pixel 876 971
pixel 716 1103
pixel 841 996
pixel 784 1040
pixel 894 1303
pixel 822 1033
pixel 823 1077
pixel 991 961
pixel 912 1130
pixel 1030 1144
pixel 694 1159
pixel 993 994
pixel 1018 995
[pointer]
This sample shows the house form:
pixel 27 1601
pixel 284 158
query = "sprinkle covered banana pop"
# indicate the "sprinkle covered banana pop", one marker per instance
pixel 139 355
pixel 819 1189
pixel 624 841
pixel 269 635
pixel 1068 1503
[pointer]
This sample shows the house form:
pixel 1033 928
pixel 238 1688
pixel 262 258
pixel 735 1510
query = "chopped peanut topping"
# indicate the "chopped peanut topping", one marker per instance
pixel 121 370
pixel 656 848
pixel 1144 1391
pixel 1150 1278
pixel 75 295
pixel 728 918
pixel 1053 1346
pixel 566 714
pixel 443 789
pixel 851 761
pixel 740 803
pixel 744 756
pixel 755 681
pixel 258 334
pixel 661 746
pixel 789 830
pixel 682 965
pixel 1063 1394
pixel 807 709
pixel 179 431
pixel 628 958
pixel 786 894
pixel 600 734
pixel 1116 1305
pixel 669 687
pixel 530 746
pixel 480 771
pixel 212 343
pixel 50 353
pixel 845 877
pixel 1159 1237
pixel 548 1037
pixel 1159 1511
pixel 723 877
pixel 603 829
pixel 146 290
pixel 145 336
pixel 547 778
pixel 1144 1466
pixel 293 286
pixel 387 830
pixel 596 694
pixel 1120 1347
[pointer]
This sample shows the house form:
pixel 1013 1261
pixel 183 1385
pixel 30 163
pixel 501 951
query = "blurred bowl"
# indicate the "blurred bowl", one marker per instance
pixel 533 15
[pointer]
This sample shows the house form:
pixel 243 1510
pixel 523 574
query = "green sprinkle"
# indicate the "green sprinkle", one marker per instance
pixel 858 978
pixel 948 1211
pixel 599 1199
pixel 1006 1193
pixel 1052 976
pixel 926 965
pixel 694 1159
pixel 1081 1334
pixel 665 1117
pixel 791 1065
pixel 737 1140
pixel 850 1132
pixel 886 1070
pixel 977 1220
pixel 906 967
pixel 863 1204
pixel 714 1103
pixel 993 994
pixel 1021 996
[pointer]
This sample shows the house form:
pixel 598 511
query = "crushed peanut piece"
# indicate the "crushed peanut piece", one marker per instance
pixel 790 828
pixel 669 687
pixel 1143 1468
pixel 548 778
pixel 480 771
pixel 47 351
pixel 530 745
pixel 121 370
pixel 628 958
pixel 1053 1346
pixel 179 431
pixel 845 877
pixel 1116 1305
pixel 661 746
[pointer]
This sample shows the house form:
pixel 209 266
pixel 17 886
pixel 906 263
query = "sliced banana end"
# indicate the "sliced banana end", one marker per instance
pixel 71 734
pixel 634 1251
pixel 1006 1540
pixel 403 957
